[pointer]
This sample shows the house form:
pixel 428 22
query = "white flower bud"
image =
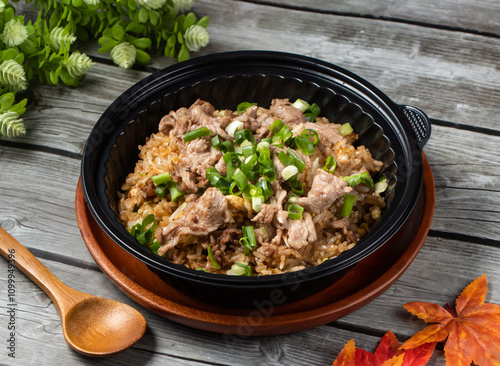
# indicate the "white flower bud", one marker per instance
pixel 12 74
pixel 14 33
pixel 123 55
pixel 196 37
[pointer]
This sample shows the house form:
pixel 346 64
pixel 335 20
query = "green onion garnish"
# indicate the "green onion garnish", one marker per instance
pixel 136 207
pixel 304 144
pixel 354 180
pixel 296 160
pixel 263 145
pixel 144 231
pixel 240 179
pixel 248 239
pixel 248 150
pixel 233 127
pixel 301 105
pixel 345 129
pixel 240 269
pixel 380 186
pixel 276 126
pixel 232 163
pixel 284 158
pixel 266 188
pixel 242 135
pixel 330 165
pixel 200 132
pixel 257 203
pixel 346 209
pixel 309 132
pixel 268 173
pixel 289 172
pixel 217 180
pixel 211 257
pixel 296 187
pixel 234 189
pixel 312 112
pixel 161 190
pixel 202 269
pixel 162 179
pixel 155 246
pixel 295 211
pixel 175 192
pixel 248 164
pixel 216 141
pixel 242 107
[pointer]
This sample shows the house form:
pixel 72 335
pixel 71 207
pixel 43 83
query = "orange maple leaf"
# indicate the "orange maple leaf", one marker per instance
pixel 386 354
pixel 473 329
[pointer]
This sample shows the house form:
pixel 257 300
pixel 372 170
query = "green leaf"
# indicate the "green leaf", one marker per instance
pixel 154 16
pixel 82 34
pixel 8 54
pixel 171 41
pixel 183 54
pixel 143 15
pixel 53 78
pixel 167 51
pixel 190 20
pixel 6 101
pixel 180 39
pixel 19 58
pixel 54 18
pixel 204 22
pixel 28 47
pixel 172 53
pixel 142 43
pixel 118 32
pixel 77 3
pixel 8 14
pixel 19 108
pixel 67 79
pixel 107 44
pixel 135 28
pixel 142 57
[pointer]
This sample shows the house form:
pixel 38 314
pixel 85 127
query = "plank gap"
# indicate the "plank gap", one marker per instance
pixel 55 257
pixel 461 126
pixel 380 17
pixel 40 148
pixel 464 238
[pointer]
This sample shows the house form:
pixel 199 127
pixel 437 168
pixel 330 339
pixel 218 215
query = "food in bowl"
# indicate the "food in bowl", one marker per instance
pixel 256 191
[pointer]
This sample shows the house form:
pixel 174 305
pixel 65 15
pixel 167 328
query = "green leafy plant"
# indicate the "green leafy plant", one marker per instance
pixel 129 30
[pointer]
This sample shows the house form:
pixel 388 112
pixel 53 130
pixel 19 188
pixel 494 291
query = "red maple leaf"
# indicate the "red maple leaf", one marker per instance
pixel 472 329
pixel 386 354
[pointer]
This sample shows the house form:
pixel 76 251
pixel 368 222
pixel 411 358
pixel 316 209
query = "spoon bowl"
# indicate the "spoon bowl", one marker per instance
pixel 92 325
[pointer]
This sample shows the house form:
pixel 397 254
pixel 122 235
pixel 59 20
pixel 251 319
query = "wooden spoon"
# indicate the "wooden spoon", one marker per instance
pixel 91 325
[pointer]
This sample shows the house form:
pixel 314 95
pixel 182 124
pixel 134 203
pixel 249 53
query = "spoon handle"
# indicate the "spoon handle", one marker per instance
pixel 14 251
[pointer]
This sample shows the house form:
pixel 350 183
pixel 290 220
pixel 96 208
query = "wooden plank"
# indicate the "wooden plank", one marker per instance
pixel 479 16
pixel 38 327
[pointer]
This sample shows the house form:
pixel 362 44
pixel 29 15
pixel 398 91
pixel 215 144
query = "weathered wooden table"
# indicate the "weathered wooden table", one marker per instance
pixel 443 57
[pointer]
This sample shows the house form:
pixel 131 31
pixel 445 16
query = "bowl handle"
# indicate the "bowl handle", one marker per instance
pixel 419 123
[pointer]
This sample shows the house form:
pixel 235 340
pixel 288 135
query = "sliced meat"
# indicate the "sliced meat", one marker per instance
pixel 148 190
pixel 301 232
pixel 328 132
pixel 283 109
pixel 202 217
pixel 325 190
pixel 266 214
pixel 264 121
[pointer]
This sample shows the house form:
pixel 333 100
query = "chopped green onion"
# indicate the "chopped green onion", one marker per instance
pixel 346 209
pixel 308 132
pixel 254 173
pixel 263 145
pixel 216 141
pixel 354 180
pixel 249 163
pixel 265 158
pixel 295 211
pixel 161 179
pixel 330 164
pixel 284 158
pixel 175 192
pixel 282 135
pixel 232 163
pixel 242 107
pixel 301 105
pixel 161 190
pixel 381 185
pixel 242 135
pixel 268 173
pixel 296 160
pixel 266 139
pixel 200 132
pixel 266 188
pixel 240 269
pixel 312 112
pixel 257 203
pixel 136 207
pixel 276 126
pixel 345 129
pixel 232 190
pixel 248 150
pixel 223 146
pixel 233 127
pixel 144 232
pixel 211 257
pixel 202 269
pixel 289 172
pixel 304 144
pixel 292 198
pixel 296 187
pixel 155 246
pixel 248 240
pixel 217 180
pixel 240 179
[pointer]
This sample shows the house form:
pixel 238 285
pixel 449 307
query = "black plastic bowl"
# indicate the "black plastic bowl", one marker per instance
pixel 394 134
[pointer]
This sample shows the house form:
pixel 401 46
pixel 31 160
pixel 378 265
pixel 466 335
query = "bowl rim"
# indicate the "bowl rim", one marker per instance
pixel 288 61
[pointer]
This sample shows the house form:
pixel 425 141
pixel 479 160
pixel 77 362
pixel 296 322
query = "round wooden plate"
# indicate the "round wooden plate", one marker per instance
pixel 364 282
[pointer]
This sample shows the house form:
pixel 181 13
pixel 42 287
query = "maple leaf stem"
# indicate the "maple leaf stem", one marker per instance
pixel 450 310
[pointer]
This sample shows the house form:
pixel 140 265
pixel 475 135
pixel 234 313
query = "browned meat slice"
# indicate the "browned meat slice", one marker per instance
pixel 177 122
pixel 266 214
pixel 249 118
pixel 326 189
pixel 301 232
pixel 264 121
pixel 199 218
pixel 148 190
pixel 328 132
pixel 283 109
